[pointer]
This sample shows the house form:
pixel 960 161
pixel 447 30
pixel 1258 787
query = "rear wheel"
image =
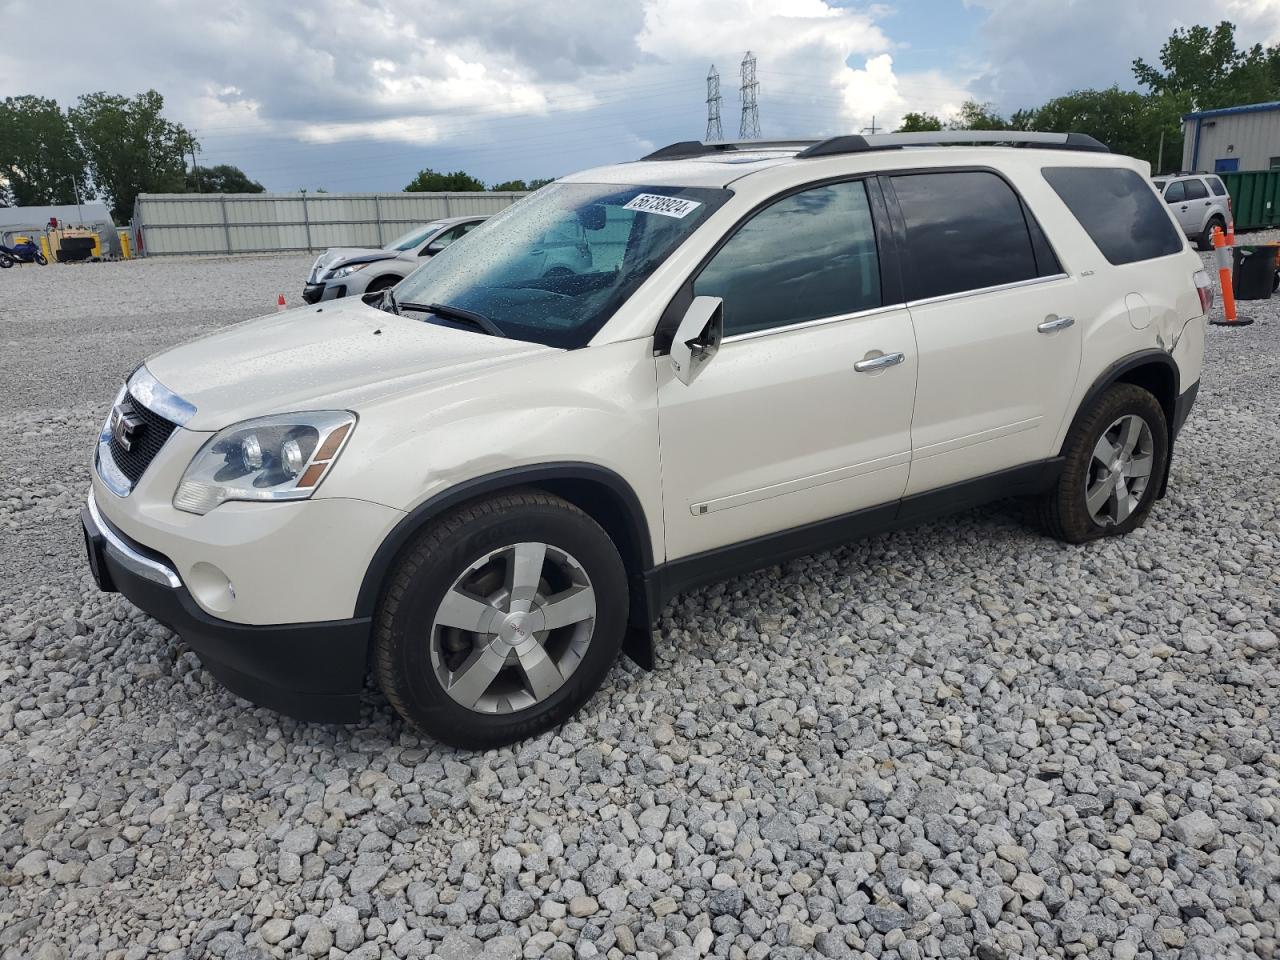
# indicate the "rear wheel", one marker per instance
pixel 1205 242
pixel 1115 457
pixel 501 620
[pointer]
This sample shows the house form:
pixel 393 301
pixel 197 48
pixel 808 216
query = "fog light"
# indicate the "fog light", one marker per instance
pixel 211 587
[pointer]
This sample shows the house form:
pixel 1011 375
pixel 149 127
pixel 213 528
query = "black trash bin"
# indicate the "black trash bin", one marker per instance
pixel 1253 272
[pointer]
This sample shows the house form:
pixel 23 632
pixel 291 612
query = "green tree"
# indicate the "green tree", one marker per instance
pixel 919 123
pixel 40 160
pixel 977 116
pixel 1126 121
pixel 131 148
pixel 429 181
pixel 521 186
pixel 1201 68
pixel 221 178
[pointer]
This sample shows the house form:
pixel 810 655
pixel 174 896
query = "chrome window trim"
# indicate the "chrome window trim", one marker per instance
pixel 130 558
pixel 819 322
pixel 961 294
pixel 159 399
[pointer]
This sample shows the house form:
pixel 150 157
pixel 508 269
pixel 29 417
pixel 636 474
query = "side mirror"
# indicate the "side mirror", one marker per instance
pixel 434 247
pixel 697 338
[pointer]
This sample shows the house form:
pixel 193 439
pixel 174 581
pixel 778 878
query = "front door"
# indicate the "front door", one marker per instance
pixel 799 417
pixel 999 347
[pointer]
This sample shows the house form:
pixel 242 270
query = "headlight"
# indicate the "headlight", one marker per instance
pixel 337 273
pixel 271 458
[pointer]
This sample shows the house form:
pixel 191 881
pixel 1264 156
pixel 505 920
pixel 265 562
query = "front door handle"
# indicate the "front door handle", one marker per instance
pixel 1055 323
pixel 879 363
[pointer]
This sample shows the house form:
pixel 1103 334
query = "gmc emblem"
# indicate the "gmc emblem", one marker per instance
pixel 125 426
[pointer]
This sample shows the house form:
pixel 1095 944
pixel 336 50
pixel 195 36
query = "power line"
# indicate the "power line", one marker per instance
pixel 714 132
pixel 749 127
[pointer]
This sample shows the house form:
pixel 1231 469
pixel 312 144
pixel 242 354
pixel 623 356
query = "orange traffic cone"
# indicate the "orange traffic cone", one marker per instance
pixel 1222 243
pixel 280 304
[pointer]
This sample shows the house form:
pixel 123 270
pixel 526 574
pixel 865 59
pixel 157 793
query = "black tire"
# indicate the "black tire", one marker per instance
pixel 382 283
pixel 1205 241
pixel 6 261
pixel 41 260
pixel 428 568
pixel 1063 511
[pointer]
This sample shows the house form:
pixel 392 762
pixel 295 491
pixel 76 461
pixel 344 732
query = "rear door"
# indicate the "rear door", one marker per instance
pixel 790 424
pixel 993 316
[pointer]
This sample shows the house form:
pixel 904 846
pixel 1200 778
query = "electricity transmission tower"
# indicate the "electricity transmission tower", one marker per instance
pixel 749 128
pixel 714 132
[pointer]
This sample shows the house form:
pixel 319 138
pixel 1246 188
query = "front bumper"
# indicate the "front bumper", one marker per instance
pixel 315 292
pixel 312 671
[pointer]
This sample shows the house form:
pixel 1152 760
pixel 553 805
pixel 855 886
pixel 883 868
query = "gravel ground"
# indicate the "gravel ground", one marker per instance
pixel 961 740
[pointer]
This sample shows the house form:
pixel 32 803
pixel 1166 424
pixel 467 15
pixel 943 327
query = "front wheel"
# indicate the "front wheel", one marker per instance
pixel 501 620
pixel 41 260
pixel 1114 460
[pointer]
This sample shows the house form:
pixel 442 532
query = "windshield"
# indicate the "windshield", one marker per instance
pixel 414 237
pixel 553 267
pixel 1159 185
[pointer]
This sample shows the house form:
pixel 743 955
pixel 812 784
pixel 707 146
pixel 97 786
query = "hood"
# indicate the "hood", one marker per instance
pixel 338 255
pixel 339 355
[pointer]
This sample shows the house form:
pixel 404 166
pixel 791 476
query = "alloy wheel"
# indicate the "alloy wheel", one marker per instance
pixel 513 628
pixel 1119 470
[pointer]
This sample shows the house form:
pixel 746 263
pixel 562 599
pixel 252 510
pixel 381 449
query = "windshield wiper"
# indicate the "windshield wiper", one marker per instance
pixel 478 320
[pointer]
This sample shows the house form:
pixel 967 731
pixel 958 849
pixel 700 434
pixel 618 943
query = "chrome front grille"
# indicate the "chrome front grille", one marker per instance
pixel 150 436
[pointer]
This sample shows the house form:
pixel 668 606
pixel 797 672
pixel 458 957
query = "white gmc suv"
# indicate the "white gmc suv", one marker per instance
pixel 486 485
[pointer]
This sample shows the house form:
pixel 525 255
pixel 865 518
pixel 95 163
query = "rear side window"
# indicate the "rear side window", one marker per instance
pixel 1196 190
pixel 1119 211
pixel 1216 186
pixel 808 256
pixel 965 231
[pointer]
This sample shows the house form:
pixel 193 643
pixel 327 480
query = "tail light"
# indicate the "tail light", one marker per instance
pixel 1204 287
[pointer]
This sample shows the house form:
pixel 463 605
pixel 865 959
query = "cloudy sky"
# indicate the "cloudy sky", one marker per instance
pixel 360 94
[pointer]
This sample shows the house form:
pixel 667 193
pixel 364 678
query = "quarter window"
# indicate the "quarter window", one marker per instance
pixel 1119 211
pixel 965 231
pixel 808 256
pixel 1216 186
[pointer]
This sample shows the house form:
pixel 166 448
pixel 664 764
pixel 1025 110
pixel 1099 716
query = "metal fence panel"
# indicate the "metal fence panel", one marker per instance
pixel 234 223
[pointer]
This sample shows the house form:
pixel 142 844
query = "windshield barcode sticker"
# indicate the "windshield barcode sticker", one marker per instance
pixel 666 206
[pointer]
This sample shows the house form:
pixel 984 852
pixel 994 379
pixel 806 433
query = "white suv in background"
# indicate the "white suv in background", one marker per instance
pixel 1199 202
pixel 485 490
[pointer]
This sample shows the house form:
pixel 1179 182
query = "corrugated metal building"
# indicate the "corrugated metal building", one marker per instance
pixel 1231 139
pixel 234 223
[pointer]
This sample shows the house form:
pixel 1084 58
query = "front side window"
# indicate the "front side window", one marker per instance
pixel 808 256
pixel 1118 210
pixel 965 231
pixel 1177 192
pixel 1196 190
pixel 554 266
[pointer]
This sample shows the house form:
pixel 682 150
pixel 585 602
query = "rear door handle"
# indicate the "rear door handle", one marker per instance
pixel 879 363
pixel 1055 323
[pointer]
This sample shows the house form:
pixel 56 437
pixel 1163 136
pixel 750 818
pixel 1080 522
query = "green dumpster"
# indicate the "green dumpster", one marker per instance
pixel 1255 198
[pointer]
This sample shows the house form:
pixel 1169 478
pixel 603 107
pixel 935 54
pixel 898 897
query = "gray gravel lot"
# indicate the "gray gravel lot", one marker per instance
pixel 961 740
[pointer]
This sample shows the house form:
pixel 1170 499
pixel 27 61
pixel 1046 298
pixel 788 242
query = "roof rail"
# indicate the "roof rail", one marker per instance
pixel 685 149
pixel 856 143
